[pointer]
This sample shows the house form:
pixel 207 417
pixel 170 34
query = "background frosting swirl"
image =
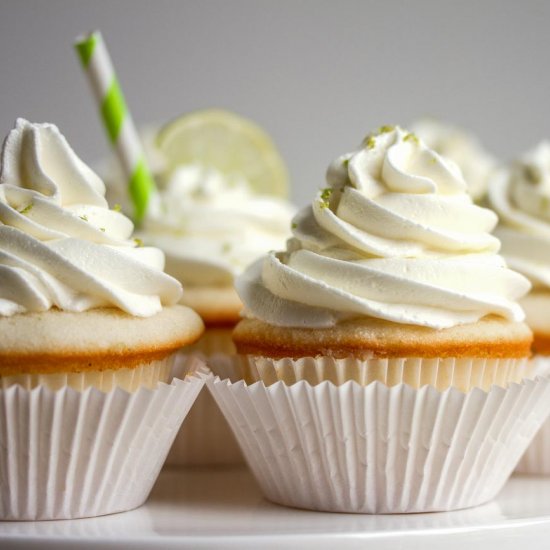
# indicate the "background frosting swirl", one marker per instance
pixel 476 164
pixel 394 236
pixel 521 198
pixel 60 244
pixel 211 227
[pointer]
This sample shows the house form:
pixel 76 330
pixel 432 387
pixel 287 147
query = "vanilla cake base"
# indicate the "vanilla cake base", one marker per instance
pixel 367 338
pixel 217 305
pixel 59 341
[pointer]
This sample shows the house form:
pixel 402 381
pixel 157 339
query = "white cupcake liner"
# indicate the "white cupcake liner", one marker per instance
pixel 130 379
pixel 205 438
pixel 536 459
pixel 69 454
pixel 461 373
pixel 380 449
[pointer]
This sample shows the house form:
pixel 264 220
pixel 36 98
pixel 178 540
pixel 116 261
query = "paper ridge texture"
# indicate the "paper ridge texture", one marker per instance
pixel 536 459
pixel 205 439
pixel 69 454
pixel 380 449
pixel 463 373
pixel 129 379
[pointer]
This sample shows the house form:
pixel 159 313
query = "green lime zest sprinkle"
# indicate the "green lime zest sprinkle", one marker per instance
pixel 27 208
pixel 326 193
pixel 370 142
pixel 294 225
pixel 386 128
pixel 325 197
pixel 138 241
pixel 84 217
pixel 345 163
pixel 412 137
pixel 102 229
pixel 226 247
pixel 117 207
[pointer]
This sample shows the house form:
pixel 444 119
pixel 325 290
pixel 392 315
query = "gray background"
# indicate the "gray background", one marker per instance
pixel 318 75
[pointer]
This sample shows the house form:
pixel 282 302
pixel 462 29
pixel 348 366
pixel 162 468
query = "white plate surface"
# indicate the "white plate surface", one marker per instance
pixel 222 508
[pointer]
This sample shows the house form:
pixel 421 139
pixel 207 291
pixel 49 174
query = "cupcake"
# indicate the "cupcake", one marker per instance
pixel 520 195
pixel 91 327
pixel 477 164
pixel 383 358
pixel 221 204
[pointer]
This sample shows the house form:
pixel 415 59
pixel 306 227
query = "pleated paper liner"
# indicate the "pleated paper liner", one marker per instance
pixel 461 373
pixel 69 454
pixel 536 459
pixel 147 375
pixel 380 449
pixel 205 438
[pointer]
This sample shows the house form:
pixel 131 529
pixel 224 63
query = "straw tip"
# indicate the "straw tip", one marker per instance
pixel 87 36
pixel 85 45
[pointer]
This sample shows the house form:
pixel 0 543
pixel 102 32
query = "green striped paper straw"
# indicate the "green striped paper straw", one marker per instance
pixel 117 119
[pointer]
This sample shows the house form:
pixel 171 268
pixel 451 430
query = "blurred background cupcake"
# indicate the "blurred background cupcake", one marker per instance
pixel 520 195
pixel 222 202
pixel 91 395
pixel 462 147
pixel 384 345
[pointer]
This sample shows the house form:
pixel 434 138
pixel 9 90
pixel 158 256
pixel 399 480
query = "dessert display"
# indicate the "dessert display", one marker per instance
pixel 383 355
pixel 475 162
pixel 384 350
pixel 520 195
pixel 91 328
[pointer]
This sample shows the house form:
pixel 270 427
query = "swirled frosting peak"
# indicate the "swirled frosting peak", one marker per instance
pixel 60 244
pixel 394 236
pixel 521 198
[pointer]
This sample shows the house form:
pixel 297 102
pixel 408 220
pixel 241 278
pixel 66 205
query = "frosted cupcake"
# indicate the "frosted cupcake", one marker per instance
pixel 90 330
pixel 384 345
pixel 476 163
pixel 221 204
pixel 520 196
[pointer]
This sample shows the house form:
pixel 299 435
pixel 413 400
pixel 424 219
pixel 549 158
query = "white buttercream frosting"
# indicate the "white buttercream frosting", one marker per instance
pixel 60 244
pixel 476 164
pixel 394 236
pixel 521 197
pixel 211 227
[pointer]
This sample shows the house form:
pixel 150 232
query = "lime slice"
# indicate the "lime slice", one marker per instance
pixel 227 142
